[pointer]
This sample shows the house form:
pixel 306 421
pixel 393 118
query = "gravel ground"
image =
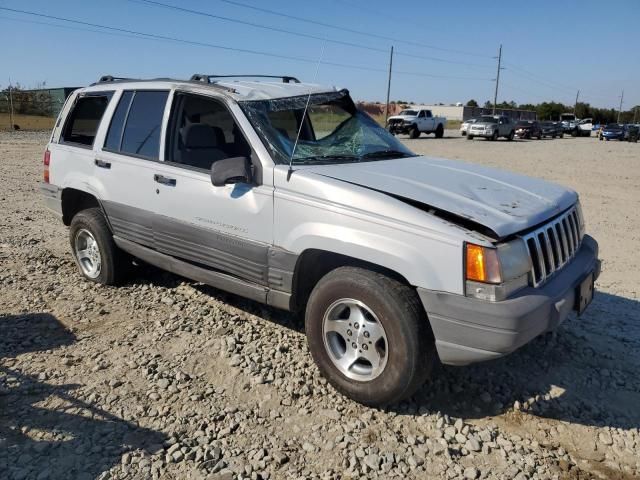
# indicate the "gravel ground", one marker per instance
pixel 167 378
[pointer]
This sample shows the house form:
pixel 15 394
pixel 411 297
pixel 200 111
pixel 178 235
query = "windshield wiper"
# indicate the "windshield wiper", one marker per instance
pixel 326 159
pixel 387 154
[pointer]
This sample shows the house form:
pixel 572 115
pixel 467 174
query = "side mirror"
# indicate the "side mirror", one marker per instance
pixel 231 170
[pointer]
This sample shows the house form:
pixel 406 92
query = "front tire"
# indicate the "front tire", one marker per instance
pixel 511 136
pixel 97 256
pixel 414 133
pixel 369 336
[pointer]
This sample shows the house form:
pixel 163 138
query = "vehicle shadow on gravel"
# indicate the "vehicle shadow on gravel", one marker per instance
pixel 148 273
pixel 45 430
pixel 585 373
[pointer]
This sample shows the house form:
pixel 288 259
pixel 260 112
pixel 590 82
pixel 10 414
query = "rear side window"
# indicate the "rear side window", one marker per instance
pixel 114 136
pixel 84 119
pixel 136 124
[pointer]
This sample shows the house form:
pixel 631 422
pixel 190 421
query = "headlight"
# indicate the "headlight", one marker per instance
pixel 494 273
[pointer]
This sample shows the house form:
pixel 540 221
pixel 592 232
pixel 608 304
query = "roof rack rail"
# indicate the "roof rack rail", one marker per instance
pixel 111 78
pixel 199 77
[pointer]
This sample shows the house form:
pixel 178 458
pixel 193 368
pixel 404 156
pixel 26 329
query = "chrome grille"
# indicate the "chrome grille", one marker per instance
pixel 553 245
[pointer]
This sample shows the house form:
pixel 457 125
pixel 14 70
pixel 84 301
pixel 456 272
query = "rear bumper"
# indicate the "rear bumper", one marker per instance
pixel 468 330
pixel 52 198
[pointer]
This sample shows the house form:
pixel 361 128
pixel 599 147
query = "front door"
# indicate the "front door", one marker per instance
pixel 228 228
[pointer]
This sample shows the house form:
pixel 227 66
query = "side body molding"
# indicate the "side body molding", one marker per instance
pixel 250 269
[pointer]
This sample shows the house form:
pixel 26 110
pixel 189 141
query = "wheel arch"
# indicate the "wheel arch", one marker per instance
pixel 74 200
pixel 313 264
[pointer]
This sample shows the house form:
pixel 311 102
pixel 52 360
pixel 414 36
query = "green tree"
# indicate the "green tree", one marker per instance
pixel 472 103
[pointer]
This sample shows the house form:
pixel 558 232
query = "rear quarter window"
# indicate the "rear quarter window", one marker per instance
pixel 84 119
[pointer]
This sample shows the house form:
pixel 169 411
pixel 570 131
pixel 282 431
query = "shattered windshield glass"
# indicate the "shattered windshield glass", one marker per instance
pixel 332 131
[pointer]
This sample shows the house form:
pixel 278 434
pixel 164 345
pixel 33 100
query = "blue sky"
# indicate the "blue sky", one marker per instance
pixel 550 48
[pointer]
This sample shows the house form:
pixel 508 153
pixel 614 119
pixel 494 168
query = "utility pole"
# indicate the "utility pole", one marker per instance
pixel 495 95
pixel 386 108
pixel 635 115
pixel 10 104
pixel 575 105
pixel 620 109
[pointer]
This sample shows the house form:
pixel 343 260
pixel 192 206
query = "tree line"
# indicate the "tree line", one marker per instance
pixel 553 110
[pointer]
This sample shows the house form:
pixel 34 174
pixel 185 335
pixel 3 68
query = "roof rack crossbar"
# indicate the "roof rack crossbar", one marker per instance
pixel 199 77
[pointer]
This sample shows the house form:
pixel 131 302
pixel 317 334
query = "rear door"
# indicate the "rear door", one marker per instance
pixel 126 164
pixel 429 121
pixel 72 157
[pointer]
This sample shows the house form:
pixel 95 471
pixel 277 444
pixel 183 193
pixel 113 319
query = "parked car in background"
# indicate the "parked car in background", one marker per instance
pixel 575 127
pixel 613 131
pixel 528 129
pixel 465 126
pixel 632 132
pixel 415 121
pixel 491 128
pixel 550 129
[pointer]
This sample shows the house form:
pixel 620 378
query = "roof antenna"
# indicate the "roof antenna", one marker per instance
pixel 304 114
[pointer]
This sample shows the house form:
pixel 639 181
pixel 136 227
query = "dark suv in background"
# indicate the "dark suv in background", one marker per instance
pixel 528 129
pixel 551 129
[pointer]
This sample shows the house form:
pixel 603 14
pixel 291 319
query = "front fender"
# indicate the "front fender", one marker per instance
pixel 320 213
pixel 421 262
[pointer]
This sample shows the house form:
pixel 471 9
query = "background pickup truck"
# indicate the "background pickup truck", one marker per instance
pixel 414 121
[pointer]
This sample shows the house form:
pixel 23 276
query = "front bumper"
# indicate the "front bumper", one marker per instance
pixel 613 136
pixel 52 198
pixel 481 133
pixel 523 133
pixel 468 330
pixel 400 128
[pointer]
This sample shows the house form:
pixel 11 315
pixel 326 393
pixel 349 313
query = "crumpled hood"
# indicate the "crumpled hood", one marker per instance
pixel 504 202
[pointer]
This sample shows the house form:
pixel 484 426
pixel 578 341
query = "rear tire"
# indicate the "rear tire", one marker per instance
pixel 512 134
pixel 439 131
pixel 346 305
pixel 97 256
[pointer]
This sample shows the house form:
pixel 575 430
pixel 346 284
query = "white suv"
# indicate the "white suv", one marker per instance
pixel 285 193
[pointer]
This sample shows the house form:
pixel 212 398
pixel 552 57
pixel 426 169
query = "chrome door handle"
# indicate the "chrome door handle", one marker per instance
pixel 165 180
pixel 102 163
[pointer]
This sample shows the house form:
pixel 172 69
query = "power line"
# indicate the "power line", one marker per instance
pixel 540 79
pixel 152 36
pixel 345 29
pixel 515 69
pixel 223 18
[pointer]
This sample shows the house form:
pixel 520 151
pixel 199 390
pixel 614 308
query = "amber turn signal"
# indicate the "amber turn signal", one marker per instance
pixel 482 264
